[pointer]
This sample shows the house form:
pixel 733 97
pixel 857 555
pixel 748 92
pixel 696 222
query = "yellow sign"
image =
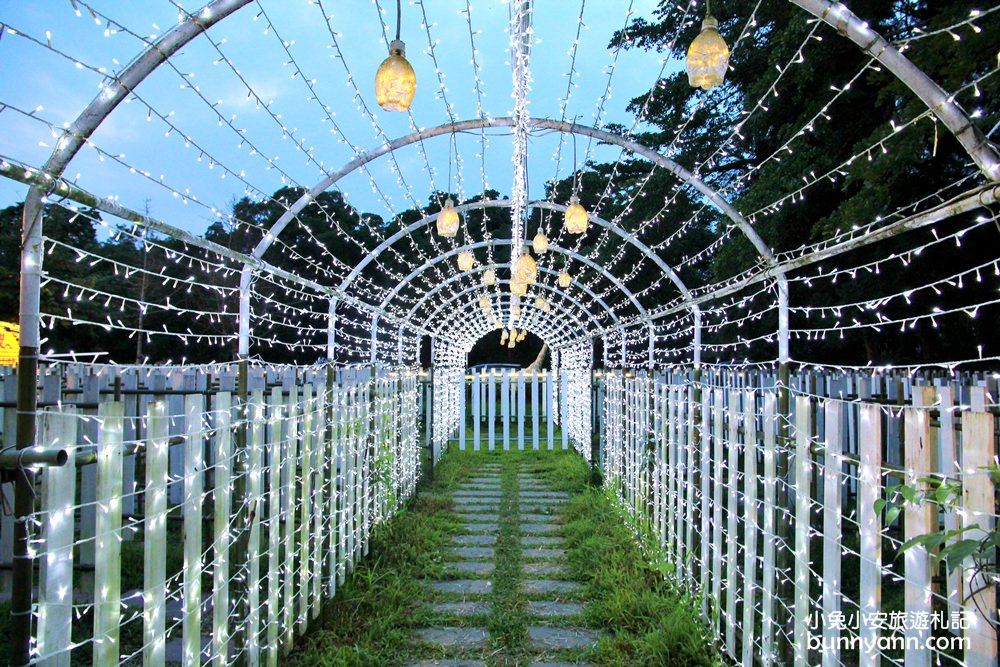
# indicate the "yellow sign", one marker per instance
pixel 10 343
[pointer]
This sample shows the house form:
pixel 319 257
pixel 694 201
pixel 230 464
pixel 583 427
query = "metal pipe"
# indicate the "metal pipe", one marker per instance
pixel 21 458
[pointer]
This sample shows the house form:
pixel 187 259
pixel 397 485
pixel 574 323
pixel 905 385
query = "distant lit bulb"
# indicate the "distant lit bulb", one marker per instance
pixel 466 260
pixel 576 216
pixel 540 243
pixel 448 220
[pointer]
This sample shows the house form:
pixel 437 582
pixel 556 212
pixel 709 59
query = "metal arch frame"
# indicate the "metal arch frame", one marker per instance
pixel 501 242
pixel 542 269
pixel 982 151
pixel 472 288
pixel 507 203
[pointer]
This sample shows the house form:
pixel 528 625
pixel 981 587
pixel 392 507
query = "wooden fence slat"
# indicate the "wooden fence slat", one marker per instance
pixel 803 498
pixel 534 410
pixel 476 410
pixel 463 389
pixel 520 410
pixel 55 590
pixel 254 492
pixel 222 507
pixel 194 408
pixel 320 516
pixel 832 527
pixel 304 546
pixel 718 487
pixel 947 463
pixel 917 521
pixel 750 509
pixel 869 524
pixel 290 484
pixel 978 499
pixel 549 416
pixel 277 467
pixel 732 466
pixel 491 402
pixel 505 409
pixel 768 537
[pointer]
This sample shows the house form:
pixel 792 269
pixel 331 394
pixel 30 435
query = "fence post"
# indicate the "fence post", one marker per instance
pixel 107 534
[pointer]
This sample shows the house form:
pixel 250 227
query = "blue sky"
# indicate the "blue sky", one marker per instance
pixel 201 94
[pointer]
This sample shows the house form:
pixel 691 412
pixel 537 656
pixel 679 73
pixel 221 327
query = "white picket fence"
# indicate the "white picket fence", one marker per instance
pixel 328 457
pixel 697 467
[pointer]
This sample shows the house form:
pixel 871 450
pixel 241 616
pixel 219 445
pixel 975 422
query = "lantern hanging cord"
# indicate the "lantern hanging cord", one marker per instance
pixel 399 17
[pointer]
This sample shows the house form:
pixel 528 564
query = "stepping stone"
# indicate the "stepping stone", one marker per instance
pixel 462 608
pixel 483 516
pixel 476 508
pixel 540 540
pixel 481 527
pixel 485 479
pixel 547 586
pixel 472 552
pixel 544 494
pixel 543 569
pixel 474 540
pixel 478 494
pixel 458 638
pixel 539 528
pixel 539 518
pixel 548 609
pixel 535 509
pixel 463 586
pixel 555 639
pixel 543 553
pixel 471 567
pixel 449 663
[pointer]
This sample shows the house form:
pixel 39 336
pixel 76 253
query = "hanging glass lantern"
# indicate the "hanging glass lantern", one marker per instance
pixel 540 302
pixel 503 338
pixel 525 269
pixel 465 260
pixel 448 220
pixel 521 336
pixel 540 243
pixel 513 341
pixel 484 302
pixel 576 216
pixel 518 288
pixel 515 312
pixel 708 55
pixel 489 277
pixel 395 81
pixel 565 279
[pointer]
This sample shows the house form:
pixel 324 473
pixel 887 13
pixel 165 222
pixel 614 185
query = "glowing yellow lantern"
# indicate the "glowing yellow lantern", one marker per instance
pixel 465 260
pixel 708 56
pixel 448 220
pixel 503 337
pixel 576 216
pixel 539 302
pixel 484 302
pixel 540 243
pixel 525 269
pixel 395 81
pixel 489 277
pixel 520 337
pixel 513 340
pixel 565 279
pixel 515 312
pixel 518 288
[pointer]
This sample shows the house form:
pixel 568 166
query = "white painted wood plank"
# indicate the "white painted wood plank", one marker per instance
pixel 751 528
pixel 194 408
pixel 768 536
pixel 918 521
pixel 803 498
pixel 222 508
pixel 55 591
pixel 305 536
pixel 870 490
pixel 549 417
pixel 255 490
pixel 732 520
pixel 534 410
pixel 520 410
pixel 276 468
pixel 476 410
pixel 832 527
pixel 491 402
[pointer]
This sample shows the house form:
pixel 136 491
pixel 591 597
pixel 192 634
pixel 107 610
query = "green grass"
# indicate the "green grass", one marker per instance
pixel 372 618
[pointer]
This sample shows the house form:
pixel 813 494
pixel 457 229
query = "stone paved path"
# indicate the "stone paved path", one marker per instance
pixel 463 602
